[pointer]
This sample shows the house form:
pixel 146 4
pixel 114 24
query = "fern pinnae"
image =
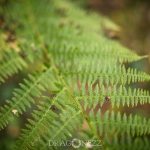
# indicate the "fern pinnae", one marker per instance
pixel 127 142
pixel 117 123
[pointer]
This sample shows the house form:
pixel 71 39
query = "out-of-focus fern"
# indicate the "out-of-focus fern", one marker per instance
pixel 10 63
pixel 74 71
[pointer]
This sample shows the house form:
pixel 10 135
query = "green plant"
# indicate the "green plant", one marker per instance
pixel 74 71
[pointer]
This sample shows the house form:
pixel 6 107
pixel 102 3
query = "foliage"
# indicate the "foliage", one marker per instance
pixel 72 71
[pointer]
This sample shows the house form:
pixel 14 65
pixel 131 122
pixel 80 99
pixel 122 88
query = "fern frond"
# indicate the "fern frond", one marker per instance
pixel 26 94
pixel 51 124
pixel 93 49
pixel 93 95
pixel 103 74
